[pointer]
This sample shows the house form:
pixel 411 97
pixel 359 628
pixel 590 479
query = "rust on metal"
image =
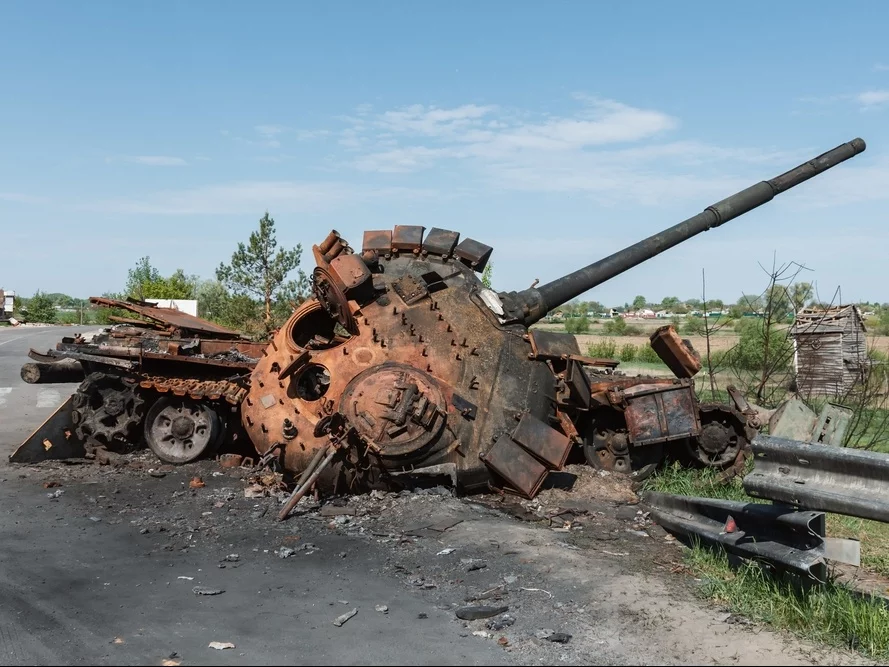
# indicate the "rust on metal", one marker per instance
pixel 378 241
pixel 407 237
pixel 552 344
pixel 169 316
pixel 547 444
pixel 213 390
pixel 677 353
pixel 440 242
pixel 474 254
pixel 518 468
pixel 659 414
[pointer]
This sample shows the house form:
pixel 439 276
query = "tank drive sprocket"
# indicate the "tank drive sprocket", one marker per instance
pixel 607 447
pixel 724 435
pixel 107 410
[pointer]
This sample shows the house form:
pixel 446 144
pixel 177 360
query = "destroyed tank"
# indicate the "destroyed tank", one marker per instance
pixel 404 364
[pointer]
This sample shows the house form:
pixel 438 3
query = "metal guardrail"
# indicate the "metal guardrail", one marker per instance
pixel 783 537
pixel 820 477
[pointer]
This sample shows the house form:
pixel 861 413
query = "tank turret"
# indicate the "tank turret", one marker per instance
pixel 403 364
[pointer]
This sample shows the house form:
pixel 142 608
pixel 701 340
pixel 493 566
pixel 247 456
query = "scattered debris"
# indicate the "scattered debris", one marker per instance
pixel 446 552
pixel 383 609
pixel 196 483
pixel 537 590
pixel 559 638
pixel 156 473
pixel 220 646
pixel 118 640
pixel 51 484
pixel 186 578
pixel 201 590
pixel 422 615
pixel 500 623
pixel 476 566
pixel 342 618
pixel 232 558
pixel 503 641
pixel 53 495
pixel 333 510
pixel 170 662
pixel 474 613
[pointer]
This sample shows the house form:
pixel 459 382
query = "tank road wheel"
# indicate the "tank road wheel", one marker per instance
pixel 181 430
pixel 723 437
pixel 611 450
pixel 107 410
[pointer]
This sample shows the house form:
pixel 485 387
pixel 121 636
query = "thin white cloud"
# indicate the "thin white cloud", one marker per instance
pixel 880 67
pixel 21 198
pixel 269 130
pixel 866 100
pixel 248 197
pixel 872 98
pixel 150 160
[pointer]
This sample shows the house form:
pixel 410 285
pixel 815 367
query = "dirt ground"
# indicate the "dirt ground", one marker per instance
pixel 583 561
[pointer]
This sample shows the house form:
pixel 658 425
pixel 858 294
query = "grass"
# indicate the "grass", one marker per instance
pixel 831 613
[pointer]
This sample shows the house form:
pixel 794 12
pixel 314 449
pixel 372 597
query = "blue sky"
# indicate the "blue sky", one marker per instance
pixel 555 132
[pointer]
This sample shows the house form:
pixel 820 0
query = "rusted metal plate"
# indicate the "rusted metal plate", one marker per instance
pixel 552 344
pixel 440 242
pixel 409 289
pixel 350 270
pixel 474 254
pixel 659 414
pixel 175 318
pixel 54 439
pixel 578 385
pixel 679 355
pixel 378 241
pixel 407 237
pixel 518 468
pixel 546 443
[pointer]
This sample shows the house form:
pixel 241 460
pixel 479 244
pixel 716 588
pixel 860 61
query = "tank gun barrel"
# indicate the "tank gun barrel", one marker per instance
pixel 531 305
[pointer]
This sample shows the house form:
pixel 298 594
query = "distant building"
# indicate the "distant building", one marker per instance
pixel 830 350
pixel 7 303
pixel 189 306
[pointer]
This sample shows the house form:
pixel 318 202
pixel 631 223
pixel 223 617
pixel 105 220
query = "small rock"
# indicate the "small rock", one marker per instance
pixel 446 552
pixel 510 579
pixel 626 512
pixel 342 618
pixel 481 633
pixel 383 609
pixel 196 483
pixel 422 615
pixel 156 473
pixel 480 611
pixel 499 623
pixel 221 645
pixel 201 590
pixel 559 638
pixel 341 554
pixel 543 634
pixel 476 566
pixel 232 558
pixel 53 495
pixel 143 531
pixel 95 519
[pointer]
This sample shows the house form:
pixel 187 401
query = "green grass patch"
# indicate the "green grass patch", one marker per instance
pixel 828 613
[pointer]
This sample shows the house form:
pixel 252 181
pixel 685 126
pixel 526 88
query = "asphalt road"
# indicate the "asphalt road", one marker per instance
pixel 72 583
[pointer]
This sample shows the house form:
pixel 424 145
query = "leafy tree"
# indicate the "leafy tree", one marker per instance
pixel 258 269
pixel 41 308
pixel 486 275
pixel 669 303
pixel 639 302
pixel 800 294
pixel 145 282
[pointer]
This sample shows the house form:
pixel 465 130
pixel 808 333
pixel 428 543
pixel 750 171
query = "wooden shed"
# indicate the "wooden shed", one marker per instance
pixel 830 350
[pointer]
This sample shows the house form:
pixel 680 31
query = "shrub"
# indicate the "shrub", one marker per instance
pixel 616 326
pixel 603 349
pixel 647 355
pixel 628 352
pixel 577 325
pixel 694 326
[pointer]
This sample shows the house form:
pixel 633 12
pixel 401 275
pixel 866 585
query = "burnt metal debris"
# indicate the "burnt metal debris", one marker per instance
pixel 403 364
pixel 172 379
